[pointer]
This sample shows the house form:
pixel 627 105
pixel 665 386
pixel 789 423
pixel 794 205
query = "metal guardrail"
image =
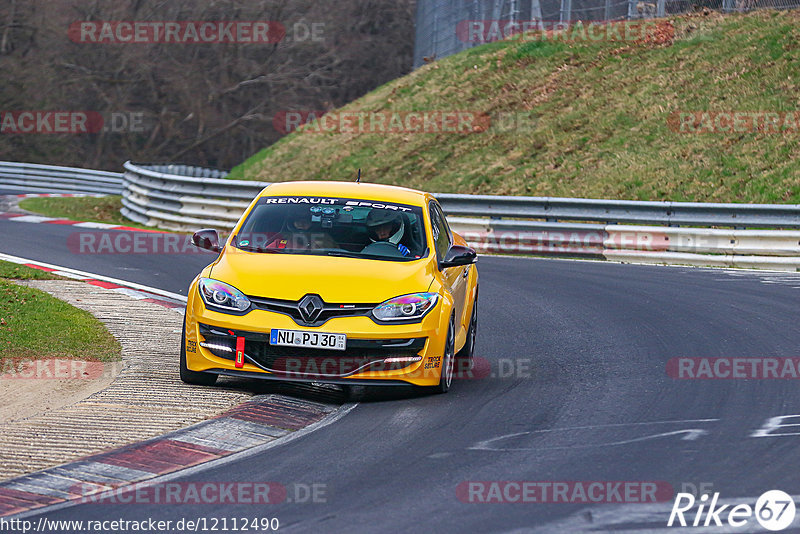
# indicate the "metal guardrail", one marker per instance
pixel 186 198
pixel 156 195
pixel 157 191
pixel 159 196
pixel 53 179
pixel 625 211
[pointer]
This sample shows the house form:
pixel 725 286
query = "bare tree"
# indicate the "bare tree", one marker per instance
pixel 206 104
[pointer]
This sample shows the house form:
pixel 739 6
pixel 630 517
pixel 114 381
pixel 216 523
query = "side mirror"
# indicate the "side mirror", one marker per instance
pixel 207 239
pixel 458 255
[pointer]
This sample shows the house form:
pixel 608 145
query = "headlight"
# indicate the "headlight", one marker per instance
pixel 221 295
pixel 405 308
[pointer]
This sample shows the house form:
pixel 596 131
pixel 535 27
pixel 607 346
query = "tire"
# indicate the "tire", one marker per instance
pixel 448 360
pixel 193 377
pixel 466 356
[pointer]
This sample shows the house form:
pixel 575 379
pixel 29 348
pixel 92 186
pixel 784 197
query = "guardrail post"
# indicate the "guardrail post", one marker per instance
pixel 566 11
pixel 632 9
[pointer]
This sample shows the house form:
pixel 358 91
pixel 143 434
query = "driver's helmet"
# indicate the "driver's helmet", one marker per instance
pixel 378 218
pixel 296 213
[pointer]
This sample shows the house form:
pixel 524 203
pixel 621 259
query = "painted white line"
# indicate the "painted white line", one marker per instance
pixel 154 290
pixel 31 219
pixel 610 425
pixel 235 457
pixel 101 226
pixel 691 434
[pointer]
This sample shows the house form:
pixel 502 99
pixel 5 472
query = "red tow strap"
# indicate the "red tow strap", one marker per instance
pixel 239 352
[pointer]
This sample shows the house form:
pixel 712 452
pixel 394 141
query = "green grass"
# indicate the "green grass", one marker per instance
pixel 85 209
pixel 20 272
pixel 35 325
pixel 590 119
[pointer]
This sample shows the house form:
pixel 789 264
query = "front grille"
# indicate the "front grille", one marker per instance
pixel 361 355
pixel 314 362
pixel 329 311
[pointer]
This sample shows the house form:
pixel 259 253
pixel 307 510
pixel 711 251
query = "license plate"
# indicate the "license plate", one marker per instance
pixel 311 340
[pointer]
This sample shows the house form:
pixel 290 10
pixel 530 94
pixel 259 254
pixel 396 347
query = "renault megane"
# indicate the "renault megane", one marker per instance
pixel 332 282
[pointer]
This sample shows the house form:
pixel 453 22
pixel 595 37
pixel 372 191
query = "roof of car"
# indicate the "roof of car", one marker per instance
pixel 364 191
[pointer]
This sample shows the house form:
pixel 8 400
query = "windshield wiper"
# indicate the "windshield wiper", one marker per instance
pixel 343 254
pixel 249 248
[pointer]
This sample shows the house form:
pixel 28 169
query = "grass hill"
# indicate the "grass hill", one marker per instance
pixel 590 118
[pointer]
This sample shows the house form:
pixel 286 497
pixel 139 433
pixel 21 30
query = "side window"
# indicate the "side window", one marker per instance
pixel 441 232
pixel 446 224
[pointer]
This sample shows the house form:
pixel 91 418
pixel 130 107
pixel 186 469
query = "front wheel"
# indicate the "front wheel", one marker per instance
pixel 448 360
pixel 193 377
pixel 466 355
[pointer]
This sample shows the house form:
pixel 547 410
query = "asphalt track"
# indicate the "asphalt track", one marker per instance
pixel 589 400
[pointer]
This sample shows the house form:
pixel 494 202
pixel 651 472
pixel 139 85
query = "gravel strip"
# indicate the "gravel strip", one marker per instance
pixel 146 399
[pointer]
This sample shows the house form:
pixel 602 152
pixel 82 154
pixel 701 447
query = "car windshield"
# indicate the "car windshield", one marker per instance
pixel 323 226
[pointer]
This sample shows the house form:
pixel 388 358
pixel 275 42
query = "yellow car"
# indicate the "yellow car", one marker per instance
pixel 332 282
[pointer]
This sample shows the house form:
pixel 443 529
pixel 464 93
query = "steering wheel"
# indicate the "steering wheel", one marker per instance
pixel 382 248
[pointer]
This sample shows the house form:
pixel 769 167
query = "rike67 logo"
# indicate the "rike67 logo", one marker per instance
pixel 774 510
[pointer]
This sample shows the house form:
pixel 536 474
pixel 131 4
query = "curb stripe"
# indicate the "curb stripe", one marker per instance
pixel 41 219
pixel 19 217
pixel 32 266
pixel 88 471
pixel 179 300
pixel 32 219
pixel 104 285
pixel 161 457
pixel 282 414
pixel 42 491
pixel 24 496
pixel 15 501
pixel 230 434
pixel 61 221
pixel 96 225
pixel 165 303
pixel 239 429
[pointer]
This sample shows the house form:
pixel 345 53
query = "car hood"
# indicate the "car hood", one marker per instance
pixel 336 280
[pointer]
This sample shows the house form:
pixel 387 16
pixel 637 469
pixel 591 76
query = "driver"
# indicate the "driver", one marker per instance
pixel 388 227
pixel 297 234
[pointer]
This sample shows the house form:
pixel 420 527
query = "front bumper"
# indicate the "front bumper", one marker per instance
pixel 376 353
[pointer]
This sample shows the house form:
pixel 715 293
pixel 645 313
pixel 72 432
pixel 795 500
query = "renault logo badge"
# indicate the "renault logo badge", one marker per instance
pixel 310 307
